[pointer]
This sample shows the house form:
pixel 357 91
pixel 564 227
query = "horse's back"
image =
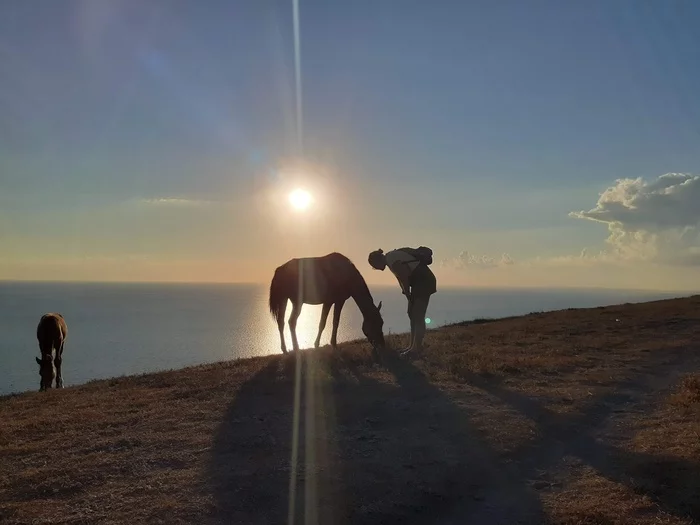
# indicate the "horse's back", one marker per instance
pixel 52 326
pixel 322 279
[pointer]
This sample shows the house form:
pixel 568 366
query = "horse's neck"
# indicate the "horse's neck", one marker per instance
pixel 362 297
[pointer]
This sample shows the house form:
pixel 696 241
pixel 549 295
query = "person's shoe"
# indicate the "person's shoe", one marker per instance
pixel 413 351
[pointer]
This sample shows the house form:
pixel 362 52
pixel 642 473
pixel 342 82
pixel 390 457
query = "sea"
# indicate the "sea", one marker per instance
pixel 117 329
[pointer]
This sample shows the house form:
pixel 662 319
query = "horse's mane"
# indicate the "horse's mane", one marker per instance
pixel 346 259
pixel 362 284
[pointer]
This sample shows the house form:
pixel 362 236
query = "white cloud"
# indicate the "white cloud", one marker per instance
pixel 466 260
pixel 654 222
pixel 584 258
pixel 657 221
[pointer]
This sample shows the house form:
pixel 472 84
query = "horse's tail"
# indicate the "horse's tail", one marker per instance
pixel 278 298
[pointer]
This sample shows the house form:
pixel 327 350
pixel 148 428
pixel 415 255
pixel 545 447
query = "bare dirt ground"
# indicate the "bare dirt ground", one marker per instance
pixel 588 416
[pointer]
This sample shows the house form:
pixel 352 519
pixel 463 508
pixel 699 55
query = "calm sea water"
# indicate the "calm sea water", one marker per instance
pixel 121 329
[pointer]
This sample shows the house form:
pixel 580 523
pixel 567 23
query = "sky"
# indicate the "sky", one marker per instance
pixel 537 143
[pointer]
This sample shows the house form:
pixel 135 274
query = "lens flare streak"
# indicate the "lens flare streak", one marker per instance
pixel 297 71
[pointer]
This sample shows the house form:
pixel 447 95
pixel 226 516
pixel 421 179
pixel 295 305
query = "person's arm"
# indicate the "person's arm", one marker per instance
pixel 402 273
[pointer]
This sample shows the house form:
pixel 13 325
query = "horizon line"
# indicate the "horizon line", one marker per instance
pixel 265 283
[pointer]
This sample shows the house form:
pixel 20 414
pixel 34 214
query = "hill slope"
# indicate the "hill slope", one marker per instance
pixel 574 416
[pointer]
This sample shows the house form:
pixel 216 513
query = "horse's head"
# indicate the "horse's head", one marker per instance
pixel 47 371
pixel 372 326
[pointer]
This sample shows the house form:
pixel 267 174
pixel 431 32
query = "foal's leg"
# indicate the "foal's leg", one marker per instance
pixel 336 321
pixel 296 310
pixel 322 323
pixel 280 326
pixel 58 360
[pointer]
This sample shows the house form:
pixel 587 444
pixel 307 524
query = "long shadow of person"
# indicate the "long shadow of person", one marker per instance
pixel 325 437
pixel 477 485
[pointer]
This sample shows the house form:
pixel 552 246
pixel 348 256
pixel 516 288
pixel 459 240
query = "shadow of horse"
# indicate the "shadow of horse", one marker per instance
pixel 319 437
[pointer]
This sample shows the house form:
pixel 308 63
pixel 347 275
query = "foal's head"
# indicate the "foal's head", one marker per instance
pixel 372 326
pixel 47 371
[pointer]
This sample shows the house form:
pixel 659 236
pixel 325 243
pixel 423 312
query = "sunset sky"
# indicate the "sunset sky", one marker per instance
pixel 529 143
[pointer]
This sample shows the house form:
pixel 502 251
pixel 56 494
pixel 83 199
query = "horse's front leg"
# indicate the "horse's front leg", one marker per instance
pixel 296 310
pixel 322 323
pixel 336 321
pixel 57 363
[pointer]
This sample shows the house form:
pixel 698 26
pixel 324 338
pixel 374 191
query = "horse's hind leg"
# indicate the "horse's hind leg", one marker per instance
pixel 296 310
pixel 337 309
pixel 322 322
pixel 280 326
pixel 58 361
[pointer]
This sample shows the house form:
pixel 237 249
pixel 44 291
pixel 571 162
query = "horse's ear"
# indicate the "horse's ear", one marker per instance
pixel 379 306
pixel 37 360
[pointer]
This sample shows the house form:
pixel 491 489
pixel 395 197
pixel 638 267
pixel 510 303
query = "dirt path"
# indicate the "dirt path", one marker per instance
pixel 598 439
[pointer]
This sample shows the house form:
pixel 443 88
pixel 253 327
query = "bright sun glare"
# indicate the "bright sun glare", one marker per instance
pixel 300 199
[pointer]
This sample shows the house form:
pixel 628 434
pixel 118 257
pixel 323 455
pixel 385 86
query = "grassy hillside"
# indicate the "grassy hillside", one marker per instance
pixel 576 416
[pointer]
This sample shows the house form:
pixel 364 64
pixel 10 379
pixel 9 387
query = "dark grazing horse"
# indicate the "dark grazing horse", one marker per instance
pixel 51 333
pixel 328 280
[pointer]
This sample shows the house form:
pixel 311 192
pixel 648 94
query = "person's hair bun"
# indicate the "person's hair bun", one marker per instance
pixel 380 250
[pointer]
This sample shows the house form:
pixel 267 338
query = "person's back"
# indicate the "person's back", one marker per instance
pixel 401 256
pixel 423 254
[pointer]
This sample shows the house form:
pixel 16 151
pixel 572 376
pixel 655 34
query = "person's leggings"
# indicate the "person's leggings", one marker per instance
pixel 417 308
pixel 423 285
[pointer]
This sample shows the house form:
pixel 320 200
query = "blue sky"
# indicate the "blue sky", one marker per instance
pixel 155 140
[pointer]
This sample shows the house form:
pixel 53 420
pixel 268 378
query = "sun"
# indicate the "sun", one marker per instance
pixel 300 199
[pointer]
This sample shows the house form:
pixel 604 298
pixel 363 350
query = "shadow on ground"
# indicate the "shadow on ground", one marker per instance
pixel 373 447
pixel 672 483
pixel 382 444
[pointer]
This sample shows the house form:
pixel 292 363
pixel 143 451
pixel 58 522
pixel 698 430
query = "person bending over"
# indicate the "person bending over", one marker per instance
pixel 417 282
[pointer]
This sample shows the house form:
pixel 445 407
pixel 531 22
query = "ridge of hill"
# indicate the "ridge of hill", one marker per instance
pixel 575 416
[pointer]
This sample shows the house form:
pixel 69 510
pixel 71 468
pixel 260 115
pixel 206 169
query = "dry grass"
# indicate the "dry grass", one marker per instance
pixel 688 394
pixel 573 417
